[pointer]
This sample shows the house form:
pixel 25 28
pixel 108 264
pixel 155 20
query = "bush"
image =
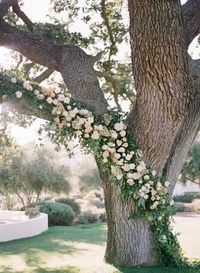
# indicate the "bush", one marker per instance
pixel 72 203
pixel 97 203
pixel 87 217
pixel 179 207
pixel 58 214
pixel 185 198
pixel 103 217
pixel 32 212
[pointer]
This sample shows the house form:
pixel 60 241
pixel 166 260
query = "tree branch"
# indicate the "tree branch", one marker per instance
pixel 6 4
pixel 43 76
pixel 191 15
pixel 75 66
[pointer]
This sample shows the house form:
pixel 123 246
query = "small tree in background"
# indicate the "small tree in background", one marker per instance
pixel 191 168
pixel 28 178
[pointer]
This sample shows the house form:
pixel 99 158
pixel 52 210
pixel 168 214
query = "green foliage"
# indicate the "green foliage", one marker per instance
pixel 187 197
pixel 87 217
pixel 28 177
pixel 191 168
pixel 90 181
pixel 72 203
pixel 32 212
pixel 58 214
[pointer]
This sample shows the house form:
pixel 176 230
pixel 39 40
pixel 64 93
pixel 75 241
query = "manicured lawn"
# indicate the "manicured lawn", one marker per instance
pixel 65 250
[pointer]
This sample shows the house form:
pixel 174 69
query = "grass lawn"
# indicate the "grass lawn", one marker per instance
pixel 66 250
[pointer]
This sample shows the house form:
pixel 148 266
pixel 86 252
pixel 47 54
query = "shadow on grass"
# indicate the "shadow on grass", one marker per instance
pixel 157 270
pixel 68 269
pixel 56 239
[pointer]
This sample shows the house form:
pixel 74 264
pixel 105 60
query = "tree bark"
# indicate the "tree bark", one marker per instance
pixel 129 240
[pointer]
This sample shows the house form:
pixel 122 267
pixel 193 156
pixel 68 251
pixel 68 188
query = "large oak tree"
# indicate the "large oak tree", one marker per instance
pixel 165 118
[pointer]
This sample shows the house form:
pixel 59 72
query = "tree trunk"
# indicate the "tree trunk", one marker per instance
pixel 129 240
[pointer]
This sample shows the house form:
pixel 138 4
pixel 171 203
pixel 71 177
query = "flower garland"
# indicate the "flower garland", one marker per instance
pixel 107 138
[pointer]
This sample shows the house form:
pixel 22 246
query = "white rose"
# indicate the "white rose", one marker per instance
pixel 116 155
pixel 128 157
pixel 132 166
pixel 95 135
pixel 49 100
pixel 119 126
pixel 121 150
pixel 167 184
pixel 105 154
pixel 66 100
pixel 13 80
pixel 122 133
pixel 55 102
pixel 136 176
pixel 130 181
pixel 18 94
pixel 126 168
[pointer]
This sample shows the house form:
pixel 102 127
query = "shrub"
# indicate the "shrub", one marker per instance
pixel 72 203
pixel 185 198
pixel 97 203
pixel 87 217
pixel 103 217
pixel 195 206
pixel 32 212
pixel 179 207
pixel 58 213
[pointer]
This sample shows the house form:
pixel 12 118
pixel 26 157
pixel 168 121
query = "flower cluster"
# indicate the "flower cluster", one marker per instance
pixel 108 139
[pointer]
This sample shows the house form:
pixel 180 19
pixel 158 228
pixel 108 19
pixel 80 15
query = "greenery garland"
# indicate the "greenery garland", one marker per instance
pixel 107 138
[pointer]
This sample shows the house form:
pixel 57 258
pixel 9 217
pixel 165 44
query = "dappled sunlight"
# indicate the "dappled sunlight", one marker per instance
pixel 189 228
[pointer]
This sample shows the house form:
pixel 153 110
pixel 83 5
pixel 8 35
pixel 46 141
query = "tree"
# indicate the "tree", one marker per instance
pixel 164 119
pixel 27 177
pixel 191 168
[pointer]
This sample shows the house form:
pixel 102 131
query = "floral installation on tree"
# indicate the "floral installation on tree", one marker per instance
pixel 107 138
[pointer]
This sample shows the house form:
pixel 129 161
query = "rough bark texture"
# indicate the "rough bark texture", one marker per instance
pixel 166 117
pixel 160 74
pixel 129 241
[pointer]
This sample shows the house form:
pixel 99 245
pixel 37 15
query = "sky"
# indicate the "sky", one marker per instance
pixel 39 13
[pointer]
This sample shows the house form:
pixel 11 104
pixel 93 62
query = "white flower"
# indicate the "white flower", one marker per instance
pixel 171 202
pixel 40 96
pixel 140 168
pixel 125 145
pixel 37 92
pixel 68 124
pixel 55 102
pixel 105 160
pixel 90 119
pixel 116 171
pixel 167 184
pixel 128 157
pixel 146 196
pixel 121 150
pixel 129 175
pixel 113 134
pixel 86 135
pixel 119 126
pixel 78 133
pixel 95 135
pixel 27 86
pixel 66 100
pixel 61 97
pixel 18 94
pixel 154 173
pixel 105 154
pixel 13 80
pixel 146 177
pixel 130 181
pixel 57 120
pixel 116 155
pixel 136 176
pixel 49 100
pixel 132 166
pixel 119 176
pixel 88 129
pixel 69 107
pixel 40 107
pixel 126 167
pixel 159 218
pixel 122 133
pixel 119 142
